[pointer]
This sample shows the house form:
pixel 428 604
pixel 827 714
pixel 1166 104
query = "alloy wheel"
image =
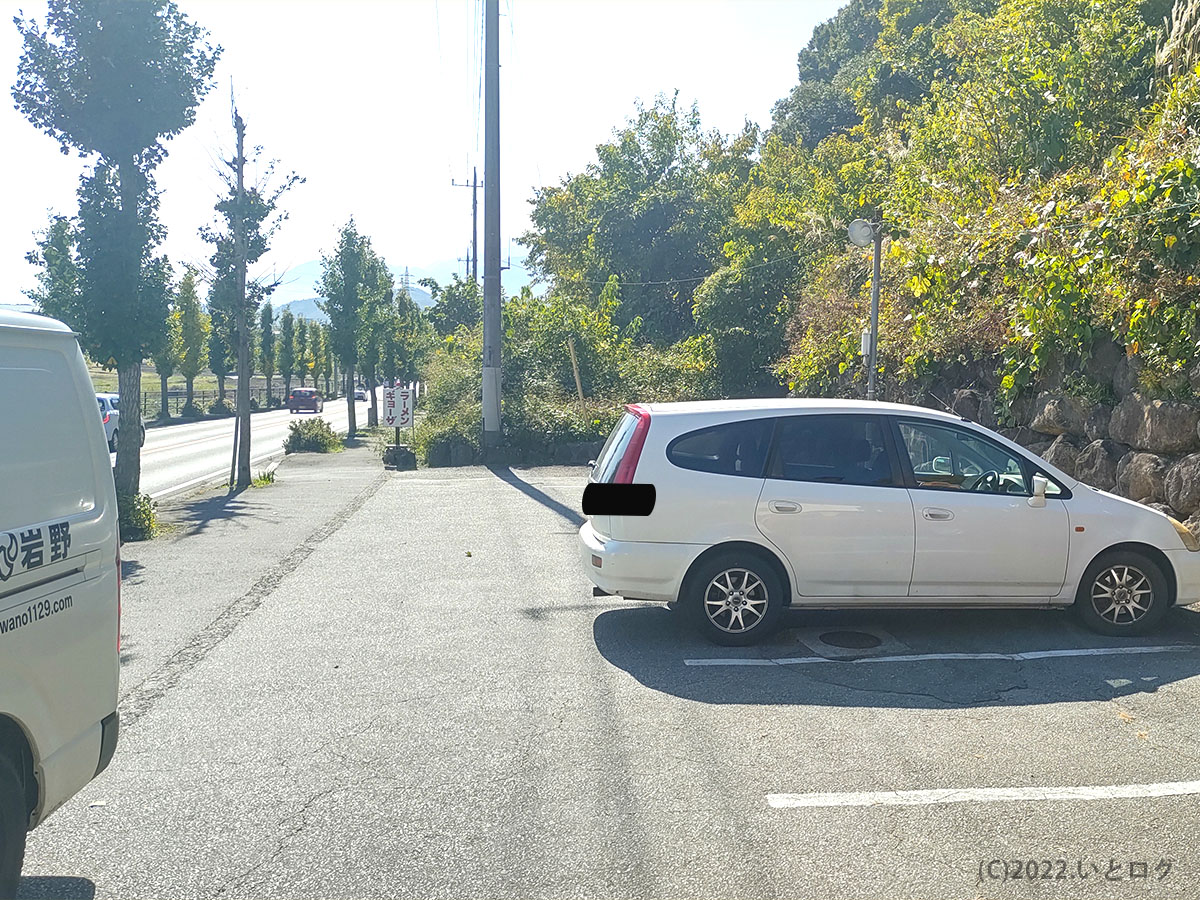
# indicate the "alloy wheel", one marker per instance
pixel 736 600
pixel 1122 595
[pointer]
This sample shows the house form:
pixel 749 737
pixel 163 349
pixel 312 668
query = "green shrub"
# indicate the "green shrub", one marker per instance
pixel 220 408
pixel 311 436
pixel 136 517
pixel 264 478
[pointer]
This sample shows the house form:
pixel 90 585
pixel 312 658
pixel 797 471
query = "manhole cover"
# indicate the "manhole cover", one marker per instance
pixel 851 640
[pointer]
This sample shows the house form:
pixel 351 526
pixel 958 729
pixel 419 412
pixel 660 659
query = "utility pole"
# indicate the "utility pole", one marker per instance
pixel 863 233
pixel 243 351
pixel 491 226
pixel 473 253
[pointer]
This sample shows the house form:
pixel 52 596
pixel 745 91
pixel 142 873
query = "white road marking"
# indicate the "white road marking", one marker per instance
pixel 926 657
pixel 984 795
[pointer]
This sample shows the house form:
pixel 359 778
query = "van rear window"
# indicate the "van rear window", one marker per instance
pixel 45 441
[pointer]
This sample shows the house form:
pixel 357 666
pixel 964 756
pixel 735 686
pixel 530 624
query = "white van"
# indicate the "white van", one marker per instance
pixel 60 592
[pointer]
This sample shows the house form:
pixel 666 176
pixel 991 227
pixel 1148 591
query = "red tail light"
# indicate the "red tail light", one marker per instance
pixel 627 467
pixel 106 418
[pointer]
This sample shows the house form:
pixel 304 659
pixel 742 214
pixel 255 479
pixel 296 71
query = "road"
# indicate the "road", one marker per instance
pixel 400 685
pixel 180 456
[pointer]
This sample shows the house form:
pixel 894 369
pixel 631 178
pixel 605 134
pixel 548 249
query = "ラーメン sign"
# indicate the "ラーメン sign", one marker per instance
pixel 397 407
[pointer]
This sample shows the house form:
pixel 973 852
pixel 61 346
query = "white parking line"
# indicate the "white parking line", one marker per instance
pixel 925 657
pixel 984 795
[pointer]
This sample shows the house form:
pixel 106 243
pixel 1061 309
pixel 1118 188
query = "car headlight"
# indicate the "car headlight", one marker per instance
pixel 1189 540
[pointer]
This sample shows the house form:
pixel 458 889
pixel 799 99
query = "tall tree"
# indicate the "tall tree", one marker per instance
pixel 167 357
pixel 266 345
pixel 220 342
pixel 330 368
pixel 377 301
pixel 287 350
pixel 248 216
pixel 458 304
pixel 302 348
pixel 345 284
pixel 114 79
pixel 57 258
pixel 316 352
pixel 194 326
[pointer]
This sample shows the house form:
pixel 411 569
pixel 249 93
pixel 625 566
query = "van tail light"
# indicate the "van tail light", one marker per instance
pixel 627 468
pixel 107 416
pixel 118 598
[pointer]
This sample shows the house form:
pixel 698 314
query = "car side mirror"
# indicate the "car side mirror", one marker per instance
pixel 1040 485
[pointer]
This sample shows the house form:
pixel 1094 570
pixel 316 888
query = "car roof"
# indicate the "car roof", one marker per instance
pixel 11 318
pixel 792 405
pixel 107 396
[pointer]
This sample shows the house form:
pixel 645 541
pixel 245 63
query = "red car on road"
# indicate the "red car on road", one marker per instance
pixel 305 398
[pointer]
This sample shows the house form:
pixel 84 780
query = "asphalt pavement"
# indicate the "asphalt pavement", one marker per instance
pixel 400 685
pixel 182 456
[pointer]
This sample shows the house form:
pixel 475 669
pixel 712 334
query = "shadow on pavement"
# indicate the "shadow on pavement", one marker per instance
pixel 651 643
pixel 199 514
pixel 508 476
pixel 45 887
pixel 131 570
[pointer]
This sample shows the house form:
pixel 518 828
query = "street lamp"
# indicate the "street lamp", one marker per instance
pixel 863 233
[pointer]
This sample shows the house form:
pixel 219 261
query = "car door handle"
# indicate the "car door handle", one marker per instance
pixel 784 506
pixel 937 514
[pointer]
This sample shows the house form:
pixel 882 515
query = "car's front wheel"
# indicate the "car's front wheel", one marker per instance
pixel 735 599
pixel 14 822
pixel 1122 593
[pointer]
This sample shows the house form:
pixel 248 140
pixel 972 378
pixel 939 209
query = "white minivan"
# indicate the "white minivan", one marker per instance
pixel 765 504
pixel 59 581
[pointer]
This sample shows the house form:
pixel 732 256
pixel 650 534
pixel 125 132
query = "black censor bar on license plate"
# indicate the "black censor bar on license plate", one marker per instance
pixel 618 499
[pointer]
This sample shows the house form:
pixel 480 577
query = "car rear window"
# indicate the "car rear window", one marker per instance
pixel 733 448
pixel 614 448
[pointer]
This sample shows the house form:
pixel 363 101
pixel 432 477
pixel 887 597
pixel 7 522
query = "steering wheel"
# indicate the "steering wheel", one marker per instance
pixel 988 482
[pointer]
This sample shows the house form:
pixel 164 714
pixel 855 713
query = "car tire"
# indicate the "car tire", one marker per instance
pixel 723 591
pixel 112 441
pixel 14 823
pixel 1112 589
pixel 143 443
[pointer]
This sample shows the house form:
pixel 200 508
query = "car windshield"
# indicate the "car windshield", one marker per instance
pixel 601 449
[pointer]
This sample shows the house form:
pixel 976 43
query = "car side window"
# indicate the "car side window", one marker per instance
pixel 734 448
pixel 834 449
pixel 945 457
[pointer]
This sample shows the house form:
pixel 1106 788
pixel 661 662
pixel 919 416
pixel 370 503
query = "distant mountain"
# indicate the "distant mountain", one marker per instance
pixel 308 309
pixel 304 309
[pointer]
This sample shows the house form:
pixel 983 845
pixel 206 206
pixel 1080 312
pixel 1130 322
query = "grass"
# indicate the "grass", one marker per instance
pixel 105 381
pixel 263 479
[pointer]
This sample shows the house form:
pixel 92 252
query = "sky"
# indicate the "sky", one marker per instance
pixel 378 105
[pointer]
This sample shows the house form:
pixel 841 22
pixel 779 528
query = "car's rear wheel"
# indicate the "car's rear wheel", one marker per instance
pixel 143 443
pixel 735 599
pixel 14 822
pixel 1122 593
pixel 112 441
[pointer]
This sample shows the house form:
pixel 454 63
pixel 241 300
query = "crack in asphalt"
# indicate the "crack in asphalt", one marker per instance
pixel 156 685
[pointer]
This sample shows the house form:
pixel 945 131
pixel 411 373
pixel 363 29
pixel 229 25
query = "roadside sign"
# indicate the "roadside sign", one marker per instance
pixel 397 407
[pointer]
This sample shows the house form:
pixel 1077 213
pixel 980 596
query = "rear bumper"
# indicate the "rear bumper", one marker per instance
pixel 637 569
pixel 110 729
